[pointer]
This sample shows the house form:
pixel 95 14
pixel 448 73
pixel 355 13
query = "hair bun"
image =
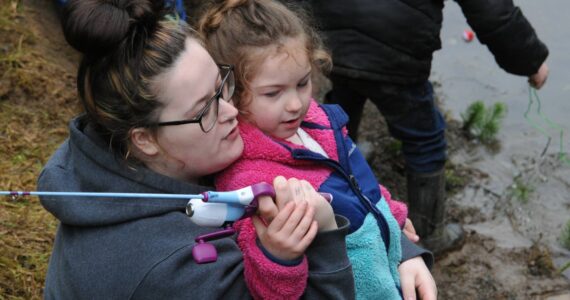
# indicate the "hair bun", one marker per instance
pixel 95 27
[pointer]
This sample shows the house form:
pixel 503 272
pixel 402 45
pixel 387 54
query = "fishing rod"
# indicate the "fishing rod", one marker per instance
pixel 102 195
pixel 208 209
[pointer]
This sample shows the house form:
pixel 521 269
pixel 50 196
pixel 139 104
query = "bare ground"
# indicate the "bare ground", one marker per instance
pixel 37 98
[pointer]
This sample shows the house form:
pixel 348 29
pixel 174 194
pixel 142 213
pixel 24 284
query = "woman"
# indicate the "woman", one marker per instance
pixel 154 123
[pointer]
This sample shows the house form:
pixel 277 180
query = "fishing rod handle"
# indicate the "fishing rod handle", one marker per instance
pixel 246 195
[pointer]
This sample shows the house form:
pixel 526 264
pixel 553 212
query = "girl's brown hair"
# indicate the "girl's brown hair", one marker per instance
pixel 126 44
pixel 235 30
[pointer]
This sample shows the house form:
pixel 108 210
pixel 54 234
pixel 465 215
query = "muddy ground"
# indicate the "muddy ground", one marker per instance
pixel 37 98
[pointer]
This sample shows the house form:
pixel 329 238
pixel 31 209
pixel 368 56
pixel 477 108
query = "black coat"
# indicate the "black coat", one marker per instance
pixel 394 40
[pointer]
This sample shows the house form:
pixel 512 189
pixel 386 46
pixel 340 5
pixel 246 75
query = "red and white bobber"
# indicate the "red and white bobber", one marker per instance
pixel 468 35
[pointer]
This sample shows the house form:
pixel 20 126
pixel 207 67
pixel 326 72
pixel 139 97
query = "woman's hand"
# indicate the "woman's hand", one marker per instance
pixel 416 278
pixel 324 214
pixel 294 190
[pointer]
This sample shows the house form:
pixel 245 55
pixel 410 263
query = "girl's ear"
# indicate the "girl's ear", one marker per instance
pixel 144 141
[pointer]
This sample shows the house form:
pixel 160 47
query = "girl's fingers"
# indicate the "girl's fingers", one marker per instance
pixel 309 236
pixel 304 225
pixel 260 227
pixel 294 218
pixel 305 241
pixel 282 217
pixel 267 209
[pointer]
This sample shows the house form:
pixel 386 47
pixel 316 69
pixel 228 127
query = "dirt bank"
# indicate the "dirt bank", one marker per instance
pixel 501 258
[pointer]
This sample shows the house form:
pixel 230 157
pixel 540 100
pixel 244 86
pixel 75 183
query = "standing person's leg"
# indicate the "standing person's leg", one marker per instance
pixel 350 100
pixel 414 119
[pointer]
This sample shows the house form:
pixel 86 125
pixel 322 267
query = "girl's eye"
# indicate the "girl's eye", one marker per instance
pixel 304 83
pixel 271 94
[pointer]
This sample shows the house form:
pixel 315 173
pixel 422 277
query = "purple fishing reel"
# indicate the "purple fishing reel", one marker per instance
pixel 222 208
pixel 219 209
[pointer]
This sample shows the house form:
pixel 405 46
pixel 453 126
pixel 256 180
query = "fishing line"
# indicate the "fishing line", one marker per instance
pixel 532 98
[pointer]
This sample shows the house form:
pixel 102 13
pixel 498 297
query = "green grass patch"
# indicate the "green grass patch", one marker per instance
pixel 482 122
pixel 521 190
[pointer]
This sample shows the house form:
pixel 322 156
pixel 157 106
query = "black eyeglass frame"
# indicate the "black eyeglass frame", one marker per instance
pixel 215 98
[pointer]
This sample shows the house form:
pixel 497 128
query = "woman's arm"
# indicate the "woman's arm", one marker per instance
pixel 330 271
pixel 414 271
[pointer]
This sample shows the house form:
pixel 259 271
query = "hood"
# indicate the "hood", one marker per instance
pixel 84 163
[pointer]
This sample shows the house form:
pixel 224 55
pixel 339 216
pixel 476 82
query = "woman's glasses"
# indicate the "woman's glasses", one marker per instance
pixel 208 115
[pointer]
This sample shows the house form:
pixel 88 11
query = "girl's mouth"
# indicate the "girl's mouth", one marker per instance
pixel 292 123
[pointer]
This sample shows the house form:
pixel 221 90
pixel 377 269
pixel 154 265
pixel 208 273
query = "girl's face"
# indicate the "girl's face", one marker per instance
pixel 185 151
pixel 281 90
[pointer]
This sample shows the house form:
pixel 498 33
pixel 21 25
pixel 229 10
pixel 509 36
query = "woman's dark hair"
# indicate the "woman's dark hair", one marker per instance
pixel 126 44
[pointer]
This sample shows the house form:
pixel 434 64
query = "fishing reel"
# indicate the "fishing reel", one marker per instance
pixel 218 209
pixel 221 209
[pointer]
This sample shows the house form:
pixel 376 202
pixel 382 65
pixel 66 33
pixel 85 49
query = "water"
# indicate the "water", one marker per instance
pixel 468 70
pixel 467 73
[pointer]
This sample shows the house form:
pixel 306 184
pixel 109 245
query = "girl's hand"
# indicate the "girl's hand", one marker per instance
pixel 287 226
pixel 290 232
pixel 416 278
pixel 410 231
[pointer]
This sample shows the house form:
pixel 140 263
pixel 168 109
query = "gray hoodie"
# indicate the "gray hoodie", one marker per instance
pixel 120 248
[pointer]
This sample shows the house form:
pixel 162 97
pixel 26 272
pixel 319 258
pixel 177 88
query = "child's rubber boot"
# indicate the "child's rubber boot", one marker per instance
pixel 427 201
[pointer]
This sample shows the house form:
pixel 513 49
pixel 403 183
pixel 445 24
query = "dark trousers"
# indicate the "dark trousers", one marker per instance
pixel 409 110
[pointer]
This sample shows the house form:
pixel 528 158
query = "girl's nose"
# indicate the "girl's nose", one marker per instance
pixel 294 103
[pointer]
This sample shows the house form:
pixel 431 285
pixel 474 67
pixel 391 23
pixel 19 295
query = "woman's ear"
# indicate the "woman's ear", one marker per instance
pixel 144 141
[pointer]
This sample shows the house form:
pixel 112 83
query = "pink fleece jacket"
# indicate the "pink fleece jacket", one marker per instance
pixel 262 160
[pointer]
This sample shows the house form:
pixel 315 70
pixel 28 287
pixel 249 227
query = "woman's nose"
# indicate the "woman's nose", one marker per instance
pixel 227 111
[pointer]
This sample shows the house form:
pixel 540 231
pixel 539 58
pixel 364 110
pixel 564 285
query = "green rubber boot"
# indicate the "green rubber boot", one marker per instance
pixel 427 203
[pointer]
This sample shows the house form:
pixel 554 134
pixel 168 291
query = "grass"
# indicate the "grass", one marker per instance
pixel 453 180
pixel 521 190
pixel 483 123
pixel 37 99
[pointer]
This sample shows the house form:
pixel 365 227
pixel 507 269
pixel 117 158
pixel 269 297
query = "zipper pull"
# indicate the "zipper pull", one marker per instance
pixel 354 182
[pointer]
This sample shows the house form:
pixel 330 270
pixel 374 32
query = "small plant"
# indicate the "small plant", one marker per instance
pixel 394 148
pixel 483 123
pixel 521 190
pixel 453 180
pixel 565 236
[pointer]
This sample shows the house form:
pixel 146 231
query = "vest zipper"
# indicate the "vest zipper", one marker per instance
pixel 384 229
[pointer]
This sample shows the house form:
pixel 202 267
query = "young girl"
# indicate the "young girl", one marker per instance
pixel 285 132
